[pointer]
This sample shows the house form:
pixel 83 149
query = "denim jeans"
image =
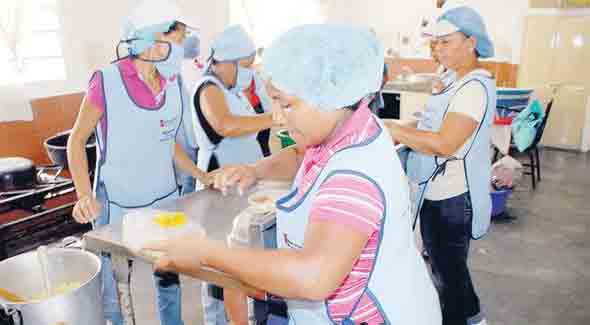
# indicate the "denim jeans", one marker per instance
pixel 167 285
pixel 168 296
pixel 185 181
pixel 213 308
pixel 446 233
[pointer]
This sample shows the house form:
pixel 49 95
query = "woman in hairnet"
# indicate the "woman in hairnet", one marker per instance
pixel 443 75
pixel 450 162
pixel 226 124
pixel 186 181
pixel 137 106
pixel 346 249
pixel 261 103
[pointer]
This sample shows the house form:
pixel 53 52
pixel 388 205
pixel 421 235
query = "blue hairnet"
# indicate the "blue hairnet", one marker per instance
pixel 139 40
pixel 328 66
pixel 232 44
pixel 470 23
pixel 192 47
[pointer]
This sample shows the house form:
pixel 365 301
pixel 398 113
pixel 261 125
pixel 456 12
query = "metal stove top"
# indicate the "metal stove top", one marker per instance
pixel 39 215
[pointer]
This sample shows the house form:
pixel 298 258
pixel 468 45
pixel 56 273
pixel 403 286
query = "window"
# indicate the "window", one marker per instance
pixel 30 42
pixel 267 19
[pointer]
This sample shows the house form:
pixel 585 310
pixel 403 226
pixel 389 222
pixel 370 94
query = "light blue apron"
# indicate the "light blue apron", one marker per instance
pixel 421 169
pixel 136 165
pixel 136 169
pixel 399 283
pixel 231 150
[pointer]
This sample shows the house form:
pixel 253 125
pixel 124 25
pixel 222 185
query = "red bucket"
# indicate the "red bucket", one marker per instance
pixel 503 120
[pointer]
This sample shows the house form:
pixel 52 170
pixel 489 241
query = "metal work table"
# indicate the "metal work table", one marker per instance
pixel 396 86
pixel 208 208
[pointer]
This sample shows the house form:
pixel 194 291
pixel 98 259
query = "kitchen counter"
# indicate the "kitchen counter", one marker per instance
pixel 402 86
pixel 209 209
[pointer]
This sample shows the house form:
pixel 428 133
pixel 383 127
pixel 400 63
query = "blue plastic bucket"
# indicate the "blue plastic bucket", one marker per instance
pixel 499 198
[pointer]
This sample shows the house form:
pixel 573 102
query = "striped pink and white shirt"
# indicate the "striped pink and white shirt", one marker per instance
pixel 353 201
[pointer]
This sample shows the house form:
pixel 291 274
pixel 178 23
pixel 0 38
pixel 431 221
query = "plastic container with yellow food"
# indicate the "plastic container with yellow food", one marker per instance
pixel 143 226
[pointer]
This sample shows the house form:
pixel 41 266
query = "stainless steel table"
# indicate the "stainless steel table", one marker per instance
pixel 208 208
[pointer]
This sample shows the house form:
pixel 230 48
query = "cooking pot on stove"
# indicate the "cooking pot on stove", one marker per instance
pixel 17 173
pixel 80 304
pixel 56 147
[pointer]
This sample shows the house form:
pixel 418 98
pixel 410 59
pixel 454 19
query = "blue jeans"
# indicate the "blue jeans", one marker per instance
pixel 167 285
pixel 446 233
pixel 213 309
pixel 168 296
pixel 185 180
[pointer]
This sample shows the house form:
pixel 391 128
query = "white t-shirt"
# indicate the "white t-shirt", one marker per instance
pixel 470 100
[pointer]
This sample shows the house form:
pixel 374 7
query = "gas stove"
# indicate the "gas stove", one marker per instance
pixel 38 215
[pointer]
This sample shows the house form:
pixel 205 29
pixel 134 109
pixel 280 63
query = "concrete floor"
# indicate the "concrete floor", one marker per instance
pixel 534 269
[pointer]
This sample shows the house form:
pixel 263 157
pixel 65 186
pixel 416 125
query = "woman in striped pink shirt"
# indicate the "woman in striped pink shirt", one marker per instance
pixel 346 252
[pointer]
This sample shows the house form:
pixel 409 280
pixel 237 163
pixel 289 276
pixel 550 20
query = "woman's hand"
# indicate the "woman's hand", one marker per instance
pixel 241 176
pixel 186 164
pixel 204 178
pixel 278 118
pixel 185 254
pixel 437 85
pixel 86 209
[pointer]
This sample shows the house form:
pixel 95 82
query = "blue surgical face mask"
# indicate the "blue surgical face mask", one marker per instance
pixel 172 65
pixel 192 47
pixel 243 78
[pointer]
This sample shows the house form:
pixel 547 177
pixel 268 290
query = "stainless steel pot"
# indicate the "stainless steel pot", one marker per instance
pixel 17 173
pixel 22 275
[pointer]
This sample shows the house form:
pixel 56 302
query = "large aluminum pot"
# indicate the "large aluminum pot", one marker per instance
pixel 22 276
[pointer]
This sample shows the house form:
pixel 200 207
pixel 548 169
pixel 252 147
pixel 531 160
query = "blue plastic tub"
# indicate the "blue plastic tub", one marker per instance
pixel 499 198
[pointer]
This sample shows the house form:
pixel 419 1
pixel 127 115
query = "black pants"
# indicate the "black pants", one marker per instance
pixel 446 232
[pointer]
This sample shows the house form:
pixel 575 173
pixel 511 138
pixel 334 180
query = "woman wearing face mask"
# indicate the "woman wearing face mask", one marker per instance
pixel 450 163
pixel 346 250
pixel 227 125
pixel 261 102
pixel 186 182
pixel 137 106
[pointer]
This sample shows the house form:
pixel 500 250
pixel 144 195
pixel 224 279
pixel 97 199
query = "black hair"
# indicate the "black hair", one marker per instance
pixel 372 104
pixel 354 107
pixel 174 27
pixel 477 55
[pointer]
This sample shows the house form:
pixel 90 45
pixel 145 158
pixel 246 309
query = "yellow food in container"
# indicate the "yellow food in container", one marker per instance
pixel 61 289
pixel 170 219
